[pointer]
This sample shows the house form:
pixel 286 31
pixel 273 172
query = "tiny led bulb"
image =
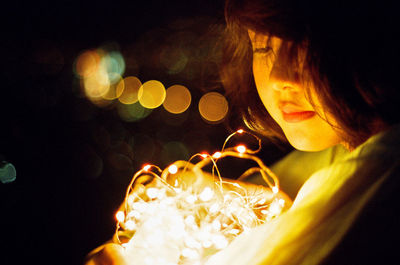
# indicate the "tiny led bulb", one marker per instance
pixel 173 169
pixel 146 167
pixel 240 131
pixel 275 189
pixel 204 155
pixel 217 155
pixel 206 194
pixel 241 148
pixel 120 216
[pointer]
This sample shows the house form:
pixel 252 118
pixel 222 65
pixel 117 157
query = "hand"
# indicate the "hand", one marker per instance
pixel 107 254
pixel 114 254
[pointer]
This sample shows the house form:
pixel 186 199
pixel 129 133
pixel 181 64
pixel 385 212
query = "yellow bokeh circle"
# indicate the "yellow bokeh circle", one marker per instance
pixel 213 107
pixel 178 99
pixel 130 89
pixel 151 94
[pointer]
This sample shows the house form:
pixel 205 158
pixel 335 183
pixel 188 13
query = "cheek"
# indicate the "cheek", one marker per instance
pixel 265 90
pixel 268 98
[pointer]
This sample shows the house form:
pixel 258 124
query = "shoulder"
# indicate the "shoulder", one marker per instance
pixel 373 237
pixel 295 168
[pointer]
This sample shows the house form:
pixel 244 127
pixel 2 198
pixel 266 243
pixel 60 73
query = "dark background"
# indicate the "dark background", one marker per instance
pixel 74 160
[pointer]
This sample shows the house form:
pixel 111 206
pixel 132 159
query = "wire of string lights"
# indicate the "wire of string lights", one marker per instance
pixel 184 215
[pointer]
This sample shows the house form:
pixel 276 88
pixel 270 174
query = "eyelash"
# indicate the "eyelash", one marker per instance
pixel 264 50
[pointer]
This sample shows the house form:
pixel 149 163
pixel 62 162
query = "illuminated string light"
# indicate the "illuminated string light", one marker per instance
pixel 173 169
pixel 241 149
pixel 146 167
pixel 217 155
pixel 120 216
pixel 195 217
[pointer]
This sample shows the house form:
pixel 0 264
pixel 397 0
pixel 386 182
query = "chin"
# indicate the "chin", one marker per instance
pixel 309 145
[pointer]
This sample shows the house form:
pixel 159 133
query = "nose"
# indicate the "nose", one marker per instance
pixel 285 86
pixel 284 80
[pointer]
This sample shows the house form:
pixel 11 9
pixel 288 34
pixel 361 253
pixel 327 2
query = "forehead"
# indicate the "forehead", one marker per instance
pixel 259 39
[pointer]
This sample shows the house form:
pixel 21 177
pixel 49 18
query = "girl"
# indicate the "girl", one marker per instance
pixel 323 76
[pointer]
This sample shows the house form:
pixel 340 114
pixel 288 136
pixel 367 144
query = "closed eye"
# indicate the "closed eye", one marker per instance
pixel 264 50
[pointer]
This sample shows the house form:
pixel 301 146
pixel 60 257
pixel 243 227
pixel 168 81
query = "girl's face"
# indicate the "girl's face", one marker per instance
pixel 303 123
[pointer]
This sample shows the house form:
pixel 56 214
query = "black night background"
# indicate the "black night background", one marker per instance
pixel 73 158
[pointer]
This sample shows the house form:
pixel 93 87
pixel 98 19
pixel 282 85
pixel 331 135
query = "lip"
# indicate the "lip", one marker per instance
pixel 293 114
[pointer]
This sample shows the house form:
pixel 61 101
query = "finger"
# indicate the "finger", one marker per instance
pixel 110 254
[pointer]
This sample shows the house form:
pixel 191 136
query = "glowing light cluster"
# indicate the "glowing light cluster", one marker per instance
pixel 183 215
pixel 102 81
pixel 100 72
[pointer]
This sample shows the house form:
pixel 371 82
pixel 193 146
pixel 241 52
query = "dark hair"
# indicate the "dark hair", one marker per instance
pixel 351 56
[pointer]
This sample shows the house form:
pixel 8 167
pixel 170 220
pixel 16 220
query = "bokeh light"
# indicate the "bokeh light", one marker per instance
pixel 101 73
pixel 87 63
pixel 113 62
pixel 130 88
pixel 173 151
pixel 114 89
pixel 152 94
pixel 178 99
pixel 213 107
pixel 174 59
pixel 96 85
pixel 132 112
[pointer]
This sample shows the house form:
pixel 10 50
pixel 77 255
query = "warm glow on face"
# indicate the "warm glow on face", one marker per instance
pixel 178 99
pixel 284 97
pixel 151 94
pixel 213 107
